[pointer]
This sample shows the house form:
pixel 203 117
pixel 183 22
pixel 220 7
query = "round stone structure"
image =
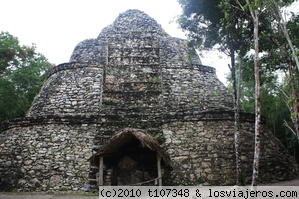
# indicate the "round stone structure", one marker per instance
pixel 136 79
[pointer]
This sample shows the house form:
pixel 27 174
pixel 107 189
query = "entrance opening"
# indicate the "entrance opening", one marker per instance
pixel 130 157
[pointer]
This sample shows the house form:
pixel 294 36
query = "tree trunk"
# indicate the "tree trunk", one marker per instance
pixel 293 106
pixel 237 120
pixel 255 18
pixel 237 128
pixel 256 159
pixel 282 24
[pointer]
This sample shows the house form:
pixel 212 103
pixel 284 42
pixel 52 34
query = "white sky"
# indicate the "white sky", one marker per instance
pixel 57 26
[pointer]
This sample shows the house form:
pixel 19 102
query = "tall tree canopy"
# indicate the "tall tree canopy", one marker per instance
pixel 22 72
pixel 229 25
pixel 212 22
pixel 219 23
pixel 278 90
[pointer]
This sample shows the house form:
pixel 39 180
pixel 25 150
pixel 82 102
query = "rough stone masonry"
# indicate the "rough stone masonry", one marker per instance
pixel 133 75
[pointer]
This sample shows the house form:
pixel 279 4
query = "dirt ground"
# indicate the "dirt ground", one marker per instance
pixel 11 195
pixel 45 196
pixel 294 182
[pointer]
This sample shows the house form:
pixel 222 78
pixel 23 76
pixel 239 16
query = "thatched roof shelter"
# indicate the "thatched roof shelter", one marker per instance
pixel 124 137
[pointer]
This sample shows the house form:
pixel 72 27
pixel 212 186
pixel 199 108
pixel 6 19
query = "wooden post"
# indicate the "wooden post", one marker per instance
pixel 101 171
pixel 159 170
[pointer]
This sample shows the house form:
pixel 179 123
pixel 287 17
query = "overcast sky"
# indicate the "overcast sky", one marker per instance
pixel 57 26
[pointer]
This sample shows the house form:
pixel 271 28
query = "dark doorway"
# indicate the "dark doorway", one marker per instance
pixel 132 164
pixel 130 157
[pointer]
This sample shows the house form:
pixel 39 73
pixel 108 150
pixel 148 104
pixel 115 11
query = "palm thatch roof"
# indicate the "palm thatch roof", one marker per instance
pixel 125 136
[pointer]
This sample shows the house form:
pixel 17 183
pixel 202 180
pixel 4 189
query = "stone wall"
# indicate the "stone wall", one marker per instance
pixel 46 156
pixel 52 153
pixel 134 38
pixel 89 51
pixel 71 89
pixel 202 150
pixel 133 74
pixel 194 87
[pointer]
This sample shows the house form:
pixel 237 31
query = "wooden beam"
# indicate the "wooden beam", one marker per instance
pixel 101 167
pixel 159 170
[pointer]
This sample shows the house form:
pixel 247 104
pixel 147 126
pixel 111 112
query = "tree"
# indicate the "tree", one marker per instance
pixel 236 27
pixel 219 23
pixel 292 99
pixel 283 44
pixel 22 72
pixel 254 9
pixel 276 11
pixel 277 97
pixel 278 45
